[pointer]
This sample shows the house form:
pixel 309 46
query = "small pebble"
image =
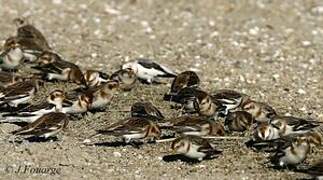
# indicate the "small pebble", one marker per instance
pixel 86 141
pixel 306 43
pixel 116 154
pixel 301 91
pixel 254 31
pixel 57 2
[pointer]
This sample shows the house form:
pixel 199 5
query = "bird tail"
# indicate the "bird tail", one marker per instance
pixel 101 132
pixel 23 130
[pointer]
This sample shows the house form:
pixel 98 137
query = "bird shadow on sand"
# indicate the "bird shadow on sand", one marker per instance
pixel 279 168
pixel 297 169
pixel 155 82
pixel 21 124
pixel 180 157
pixel 34 139
pixel 119 144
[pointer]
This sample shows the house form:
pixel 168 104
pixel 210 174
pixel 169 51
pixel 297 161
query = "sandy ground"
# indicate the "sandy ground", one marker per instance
pixel 268 49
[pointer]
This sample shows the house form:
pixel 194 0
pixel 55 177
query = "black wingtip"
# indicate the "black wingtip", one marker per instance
pixel 214 154
pixel 15 132
pixel 172 97
pixel 180 157
pixel 257 145
pixel 249 143
pixel 104 131
pixel 167 97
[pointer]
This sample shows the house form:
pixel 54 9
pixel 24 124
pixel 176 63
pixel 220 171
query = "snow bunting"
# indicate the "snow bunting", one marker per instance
pixel 238 121
pixel 12 55
pixel 32 112
pixel 197 126
pixel 46 126
pixel 148 70
pixel 134 128
pixel 194 147
pixel 126 77
pixel 95 78
pixel 145 109
pixel 291 153
pixel 184 79
pixel 229 99
pixel 54 68
pixel 260 111
pixel 19 93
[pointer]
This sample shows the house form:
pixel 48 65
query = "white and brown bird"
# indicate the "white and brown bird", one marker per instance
pixel 315 136
pixel 93 78
pixel 265 131
pixel 52 67
pixel 146 109
pixel 293 152
pixel 266 145
pixel 229 100
pixel 12 55
pixel 100 96
pixel 8 79
pixel 204 104
pixel 238 121
pixel 281 126
pixel 31 113
pixel 315 170
pixel 196 126
pixel 134 128
pixel 148 70
pixel 194 147
pixel 27 30
pixel 261 112
pixel 126 77
pixel 183 80
pixel 195 101
pixel 32 41
pixel 293 125
pixel 76 103
pixel 19 93
pixel 46 126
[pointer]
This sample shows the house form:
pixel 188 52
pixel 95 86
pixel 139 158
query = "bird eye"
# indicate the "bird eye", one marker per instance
pixel 182 144
pixel 204 101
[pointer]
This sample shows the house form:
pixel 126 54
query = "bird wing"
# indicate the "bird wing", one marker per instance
pixel 316 169
pixel 32 108
pixel 30 32
pixel 129 125
pixel 16 91
pixel 300 124
pixel 31 45
pixel 47 122
pixel 149 64
pixel 57 66
pixel 6 76
pixel 103 75
pixel 226 94
pixel 145 109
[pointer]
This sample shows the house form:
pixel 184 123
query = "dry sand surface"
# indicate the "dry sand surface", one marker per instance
pixel 271 50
